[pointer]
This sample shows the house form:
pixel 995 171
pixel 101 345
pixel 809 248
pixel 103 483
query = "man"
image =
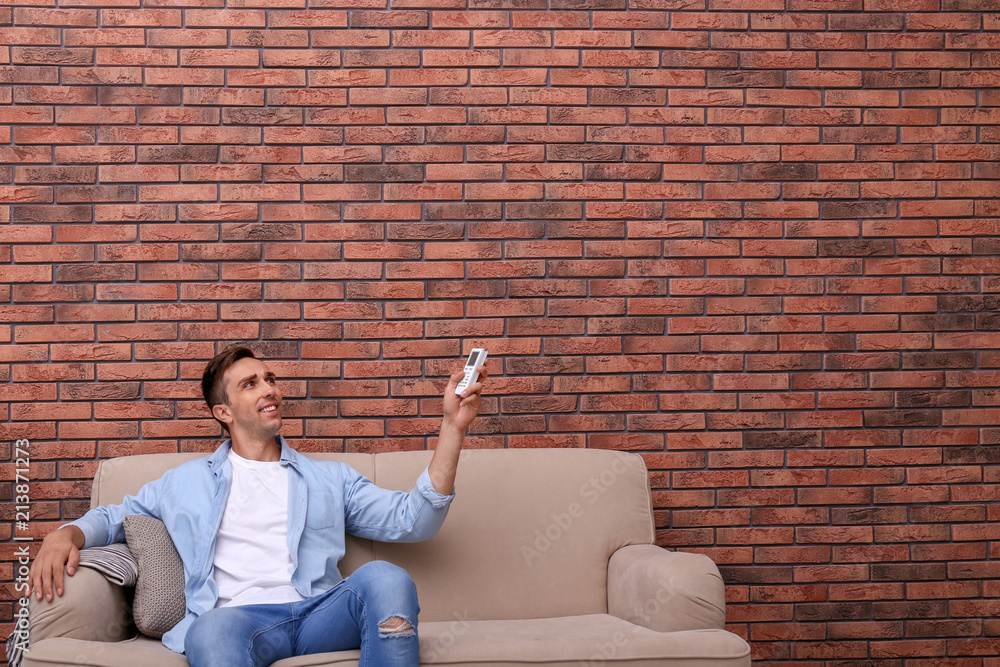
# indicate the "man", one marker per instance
pixel 260 530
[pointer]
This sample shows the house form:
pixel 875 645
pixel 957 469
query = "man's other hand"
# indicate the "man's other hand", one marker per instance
pixel 60 553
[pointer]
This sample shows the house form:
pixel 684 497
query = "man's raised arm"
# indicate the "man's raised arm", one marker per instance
pixel 459 413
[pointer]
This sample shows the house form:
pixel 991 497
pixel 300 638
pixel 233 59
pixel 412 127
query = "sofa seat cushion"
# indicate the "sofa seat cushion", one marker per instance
pixel 569 641
pixel 65 652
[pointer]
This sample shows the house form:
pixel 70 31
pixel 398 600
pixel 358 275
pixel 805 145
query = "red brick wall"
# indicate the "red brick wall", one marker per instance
pixel 755 240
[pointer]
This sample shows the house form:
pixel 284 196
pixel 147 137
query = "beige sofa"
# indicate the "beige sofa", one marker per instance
pixel 546 558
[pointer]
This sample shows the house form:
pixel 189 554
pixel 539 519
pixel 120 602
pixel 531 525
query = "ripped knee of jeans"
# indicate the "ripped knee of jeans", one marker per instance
pixel 395 626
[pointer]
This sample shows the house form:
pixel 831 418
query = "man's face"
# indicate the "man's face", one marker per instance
pixel 253 409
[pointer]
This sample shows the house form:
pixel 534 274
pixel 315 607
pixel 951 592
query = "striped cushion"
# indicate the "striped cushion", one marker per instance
pixel 114 561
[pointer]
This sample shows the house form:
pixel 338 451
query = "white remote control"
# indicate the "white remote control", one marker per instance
pixel 476 359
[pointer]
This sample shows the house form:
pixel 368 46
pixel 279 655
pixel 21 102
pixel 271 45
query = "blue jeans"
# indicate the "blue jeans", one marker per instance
pixel 375 609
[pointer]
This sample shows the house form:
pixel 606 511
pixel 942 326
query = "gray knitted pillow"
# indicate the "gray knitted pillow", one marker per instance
pixel 159 592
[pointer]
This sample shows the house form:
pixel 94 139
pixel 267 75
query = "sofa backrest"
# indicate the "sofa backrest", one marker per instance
pixel 529 534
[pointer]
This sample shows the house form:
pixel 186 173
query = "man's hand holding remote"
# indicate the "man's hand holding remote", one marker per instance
pixel 459 412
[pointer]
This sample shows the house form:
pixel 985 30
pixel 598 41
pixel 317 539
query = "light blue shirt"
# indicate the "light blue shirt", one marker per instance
pixel 325 500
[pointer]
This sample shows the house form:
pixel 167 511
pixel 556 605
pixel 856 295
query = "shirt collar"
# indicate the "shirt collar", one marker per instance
pixel 288 455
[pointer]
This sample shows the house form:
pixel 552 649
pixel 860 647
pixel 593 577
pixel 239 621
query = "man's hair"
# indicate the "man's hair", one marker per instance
pixel 212 386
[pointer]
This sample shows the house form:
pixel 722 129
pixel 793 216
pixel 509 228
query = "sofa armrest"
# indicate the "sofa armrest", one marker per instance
pixel 91 607
pixel 664 590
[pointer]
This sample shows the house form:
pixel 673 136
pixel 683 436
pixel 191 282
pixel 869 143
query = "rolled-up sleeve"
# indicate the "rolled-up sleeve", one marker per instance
pixel 426 487
pixel 393 516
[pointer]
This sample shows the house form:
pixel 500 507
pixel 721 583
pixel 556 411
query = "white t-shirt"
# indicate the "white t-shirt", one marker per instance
pixel 252 562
